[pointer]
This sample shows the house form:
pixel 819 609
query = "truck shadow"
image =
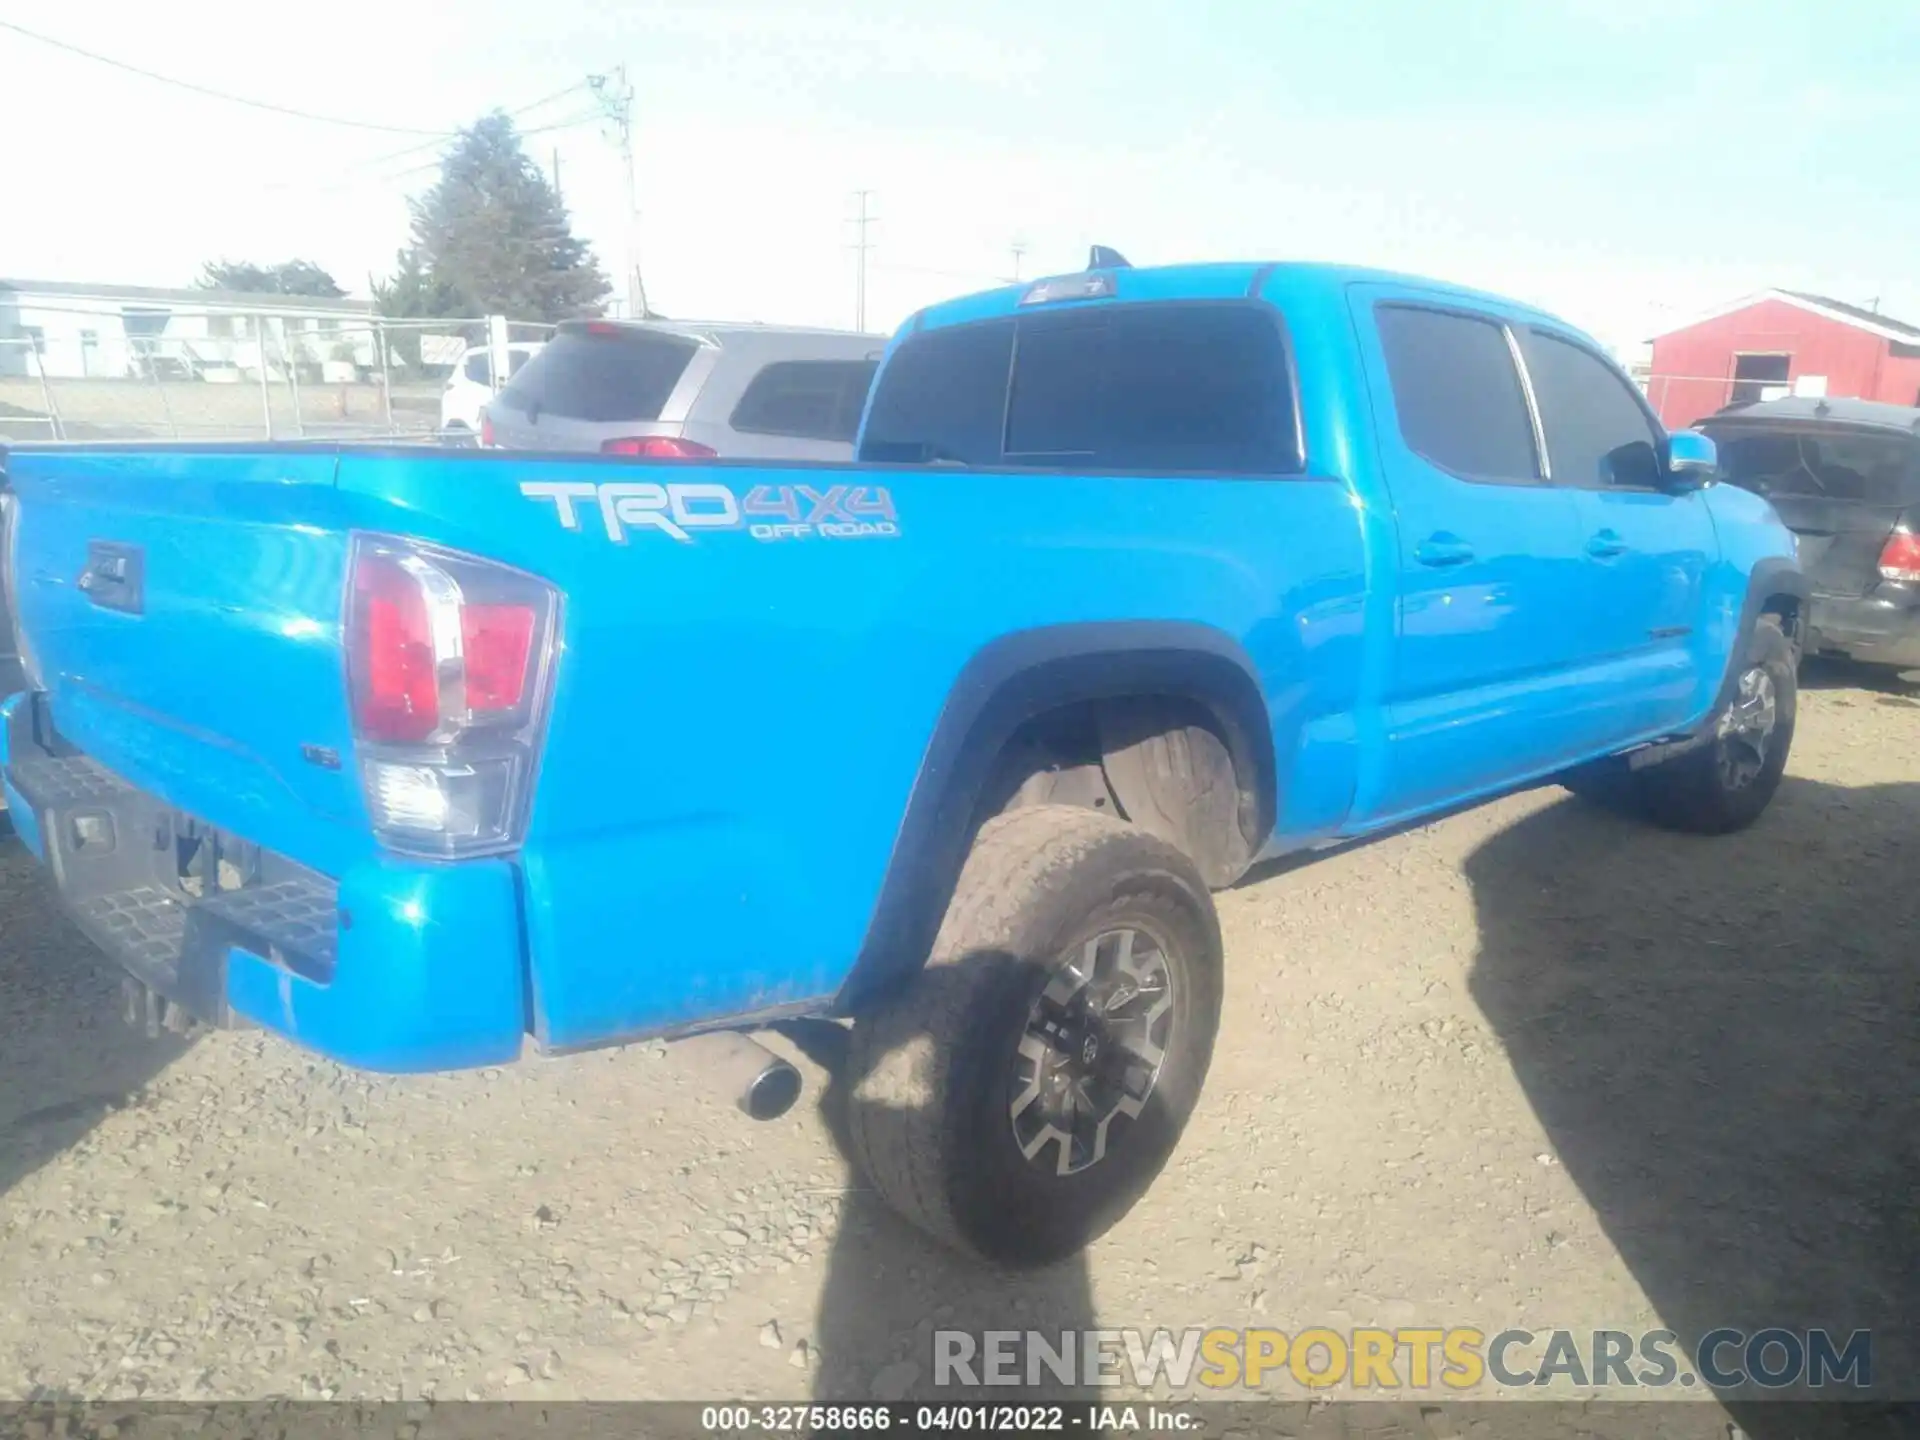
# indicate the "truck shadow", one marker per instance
pixel 68 1059
pixel 889 1289
pixel 1719 1038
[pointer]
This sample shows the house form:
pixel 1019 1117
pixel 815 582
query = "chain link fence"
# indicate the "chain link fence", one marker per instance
pixel 221 375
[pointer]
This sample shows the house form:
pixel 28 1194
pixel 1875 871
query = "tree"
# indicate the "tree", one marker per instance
pixel 413 294
pixel 289 277
pixel 492 238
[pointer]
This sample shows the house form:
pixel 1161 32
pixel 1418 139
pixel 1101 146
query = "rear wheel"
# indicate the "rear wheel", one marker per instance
pixel 1019 1094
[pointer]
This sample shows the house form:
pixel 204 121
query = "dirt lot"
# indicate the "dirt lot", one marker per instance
pixel 1534 1066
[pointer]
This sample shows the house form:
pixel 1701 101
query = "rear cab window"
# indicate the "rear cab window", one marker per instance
pixel 602 372
pixel 1457 393
pixel 1164 387
pixel 805 399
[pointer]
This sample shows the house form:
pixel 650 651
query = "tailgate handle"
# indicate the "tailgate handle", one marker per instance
pixel 115 577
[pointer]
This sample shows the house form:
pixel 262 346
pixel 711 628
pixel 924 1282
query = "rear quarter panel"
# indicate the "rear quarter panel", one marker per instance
pixel 737 724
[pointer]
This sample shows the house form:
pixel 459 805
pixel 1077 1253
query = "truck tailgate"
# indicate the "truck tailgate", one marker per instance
pixel 182 612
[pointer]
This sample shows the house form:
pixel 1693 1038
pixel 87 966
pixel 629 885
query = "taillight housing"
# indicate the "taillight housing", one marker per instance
pixel 486 429
pixel 449 664
pixel 659 447
pixel 1900 556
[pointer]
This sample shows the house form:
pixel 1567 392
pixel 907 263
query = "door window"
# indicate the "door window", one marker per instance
pixel 1598 433
pixel 1457 394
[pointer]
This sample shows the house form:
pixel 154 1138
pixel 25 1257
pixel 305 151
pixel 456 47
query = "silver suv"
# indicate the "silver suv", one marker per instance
pixel 671 388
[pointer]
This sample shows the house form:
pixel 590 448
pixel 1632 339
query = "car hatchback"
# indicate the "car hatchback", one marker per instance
pixel 1845 477
pixel 688 390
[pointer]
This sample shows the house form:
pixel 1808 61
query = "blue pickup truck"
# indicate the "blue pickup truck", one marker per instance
pixel 428 760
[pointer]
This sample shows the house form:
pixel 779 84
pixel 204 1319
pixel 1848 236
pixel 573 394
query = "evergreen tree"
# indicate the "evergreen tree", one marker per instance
pixel 492 238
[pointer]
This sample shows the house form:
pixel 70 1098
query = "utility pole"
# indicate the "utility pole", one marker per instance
pixel 616 99
pixel 861 247
pixel 557 193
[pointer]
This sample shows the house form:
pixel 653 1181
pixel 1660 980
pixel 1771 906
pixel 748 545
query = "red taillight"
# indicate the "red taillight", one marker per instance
pixel 1900 558
pixel 447 658
pixel 400 700
pixel 659 447
pixel 496 642
pixel 486 429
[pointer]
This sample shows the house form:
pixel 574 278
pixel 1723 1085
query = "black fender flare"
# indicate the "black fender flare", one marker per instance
pixel 1009 682
pixel 1774 578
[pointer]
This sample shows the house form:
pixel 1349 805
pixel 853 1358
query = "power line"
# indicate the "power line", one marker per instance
pixel 217 94
pixel 441 137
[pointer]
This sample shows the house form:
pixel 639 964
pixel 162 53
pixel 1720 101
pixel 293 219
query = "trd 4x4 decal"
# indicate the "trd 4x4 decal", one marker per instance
pixel 766 512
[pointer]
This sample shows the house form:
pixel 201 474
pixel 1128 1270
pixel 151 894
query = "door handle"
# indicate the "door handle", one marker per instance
pixel 1606 545
pixel 1443 548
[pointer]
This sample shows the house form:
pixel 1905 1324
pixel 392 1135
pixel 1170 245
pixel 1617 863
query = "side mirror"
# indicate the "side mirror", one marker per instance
pixel 1691 461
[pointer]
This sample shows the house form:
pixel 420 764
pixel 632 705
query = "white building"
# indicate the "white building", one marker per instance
pixel 73 330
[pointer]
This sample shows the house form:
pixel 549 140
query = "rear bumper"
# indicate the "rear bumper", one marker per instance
pixel 394 966
pixel 1882 629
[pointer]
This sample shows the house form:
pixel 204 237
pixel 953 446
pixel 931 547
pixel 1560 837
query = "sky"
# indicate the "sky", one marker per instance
pixel 1623 163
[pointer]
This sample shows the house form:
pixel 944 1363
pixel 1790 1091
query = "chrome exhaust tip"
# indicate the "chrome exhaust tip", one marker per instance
pixel 763 1085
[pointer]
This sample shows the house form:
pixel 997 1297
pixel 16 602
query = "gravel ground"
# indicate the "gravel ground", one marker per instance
pixel 1534 1065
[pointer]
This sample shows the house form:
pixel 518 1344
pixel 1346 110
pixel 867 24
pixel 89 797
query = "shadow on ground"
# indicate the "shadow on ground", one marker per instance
pixel 1822 672
pixel 1719 1036
pixel 68 1059
pixel 876 1333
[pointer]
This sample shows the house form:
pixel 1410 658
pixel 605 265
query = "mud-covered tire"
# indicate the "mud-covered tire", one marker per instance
pixel 933 1067
pixel 1723 785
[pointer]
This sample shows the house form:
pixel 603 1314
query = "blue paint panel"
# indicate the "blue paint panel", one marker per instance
pixel 25 823
pixel 206 696
pixel 428 977
pixel 737 724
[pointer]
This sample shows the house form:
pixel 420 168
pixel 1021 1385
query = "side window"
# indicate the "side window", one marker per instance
pixel 810 399
pixel 1458 394
pixel 476 370
pixel 1598 436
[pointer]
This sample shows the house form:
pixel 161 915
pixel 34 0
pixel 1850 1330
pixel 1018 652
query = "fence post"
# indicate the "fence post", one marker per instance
pixel 46 390
pixel 292 362
pixel 498 366
pixel 159 386
pixel 260 351
pixel 386 380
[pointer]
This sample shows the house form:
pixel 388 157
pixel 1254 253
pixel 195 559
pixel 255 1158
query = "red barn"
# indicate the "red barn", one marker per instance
pixel 1782 342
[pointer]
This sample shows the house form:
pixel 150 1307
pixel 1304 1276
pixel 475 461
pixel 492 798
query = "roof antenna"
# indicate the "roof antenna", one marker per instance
pixel 1101 258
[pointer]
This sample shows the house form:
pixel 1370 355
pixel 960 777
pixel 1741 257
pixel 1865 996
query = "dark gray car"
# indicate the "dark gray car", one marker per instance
pixel 679 388
pixel 1844 476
